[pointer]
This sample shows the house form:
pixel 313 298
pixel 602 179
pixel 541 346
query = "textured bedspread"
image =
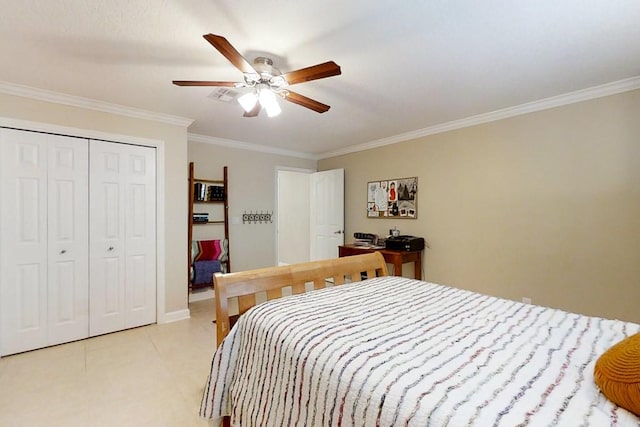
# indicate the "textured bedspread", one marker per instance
pixel 399 352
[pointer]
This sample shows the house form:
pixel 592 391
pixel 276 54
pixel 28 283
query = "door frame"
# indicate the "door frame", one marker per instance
pixel 159 145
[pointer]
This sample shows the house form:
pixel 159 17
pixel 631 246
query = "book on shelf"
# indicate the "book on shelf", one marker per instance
pixel 215 193
pixel 200 217
pixel 199 190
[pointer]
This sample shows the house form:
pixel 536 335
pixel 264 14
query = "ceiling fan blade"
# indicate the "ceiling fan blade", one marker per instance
pixel 254 112
pixel 204 83
pixel 229 52
pixel 309 103
pixel 320 71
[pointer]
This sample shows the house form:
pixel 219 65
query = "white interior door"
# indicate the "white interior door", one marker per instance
pixel 43 250
pixel 122 236
pixel 23 293
pixel 140 236
pixel 327 213
pixel 68 239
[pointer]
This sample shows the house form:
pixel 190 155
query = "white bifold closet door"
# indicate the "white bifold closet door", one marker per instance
pixel 122 236
pixel 44 245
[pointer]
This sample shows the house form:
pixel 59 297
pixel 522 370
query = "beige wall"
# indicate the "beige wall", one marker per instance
pixel 252 187
pixel 175 138
pixel 544 205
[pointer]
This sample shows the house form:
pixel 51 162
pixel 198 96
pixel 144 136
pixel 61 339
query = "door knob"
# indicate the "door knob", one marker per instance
pixel 110 248
pixel 64 251
pixel 337 232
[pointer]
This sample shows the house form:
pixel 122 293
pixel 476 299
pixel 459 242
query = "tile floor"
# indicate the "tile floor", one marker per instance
pixel 148 376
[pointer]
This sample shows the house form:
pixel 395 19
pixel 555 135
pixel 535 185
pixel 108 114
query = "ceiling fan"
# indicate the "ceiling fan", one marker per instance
pixel 267 81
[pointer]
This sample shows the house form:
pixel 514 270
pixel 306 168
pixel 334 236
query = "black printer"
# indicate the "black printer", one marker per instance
pixel 405 243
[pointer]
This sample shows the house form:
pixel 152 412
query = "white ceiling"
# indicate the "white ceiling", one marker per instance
pixel 406 65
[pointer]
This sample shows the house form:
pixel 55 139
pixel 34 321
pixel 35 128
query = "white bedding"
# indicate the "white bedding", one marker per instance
pixel 393 351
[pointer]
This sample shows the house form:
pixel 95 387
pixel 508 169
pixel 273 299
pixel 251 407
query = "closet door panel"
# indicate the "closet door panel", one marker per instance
pixel 137 274
pixel 27 316
pixel 123 237
pixel 109 292
pixel 68 245
pixel 30 200
pixel 23 246
pixel 62 307
pixel 106 212
pixel 140 219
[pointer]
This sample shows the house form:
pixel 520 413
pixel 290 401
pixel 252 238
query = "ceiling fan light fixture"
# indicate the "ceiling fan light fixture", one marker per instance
pixel 277 83
pixel 269 102
pixel 248 101
pixel 273 110
pixel 265 80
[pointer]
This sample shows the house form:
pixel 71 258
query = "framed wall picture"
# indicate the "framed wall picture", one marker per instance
pixel 393 198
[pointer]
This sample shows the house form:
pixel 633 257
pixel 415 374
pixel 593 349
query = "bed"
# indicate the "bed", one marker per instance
pixel 381 350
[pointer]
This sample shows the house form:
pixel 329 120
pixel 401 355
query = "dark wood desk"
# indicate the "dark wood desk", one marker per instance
pixel 397 258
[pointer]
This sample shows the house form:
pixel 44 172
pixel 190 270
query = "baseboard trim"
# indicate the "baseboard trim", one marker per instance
pixel 201 295
pixel 175 316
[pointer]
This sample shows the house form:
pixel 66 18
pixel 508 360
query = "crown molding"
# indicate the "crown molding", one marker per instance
pixel 10 122
pixel 91 104
pixel 607 89
pixel 248 146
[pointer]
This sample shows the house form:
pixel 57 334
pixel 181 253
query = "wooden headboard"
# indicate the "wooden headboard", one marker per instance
pixel 246 284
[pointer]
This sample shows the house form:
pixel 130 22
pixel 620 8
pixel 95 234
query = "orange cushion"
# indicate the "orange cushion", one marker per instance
pixel 617 373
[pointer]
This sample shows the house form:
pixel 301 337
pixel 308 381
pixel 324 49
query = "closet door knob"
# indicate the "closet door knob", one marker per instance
pixel 64 251
pixel 110 248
